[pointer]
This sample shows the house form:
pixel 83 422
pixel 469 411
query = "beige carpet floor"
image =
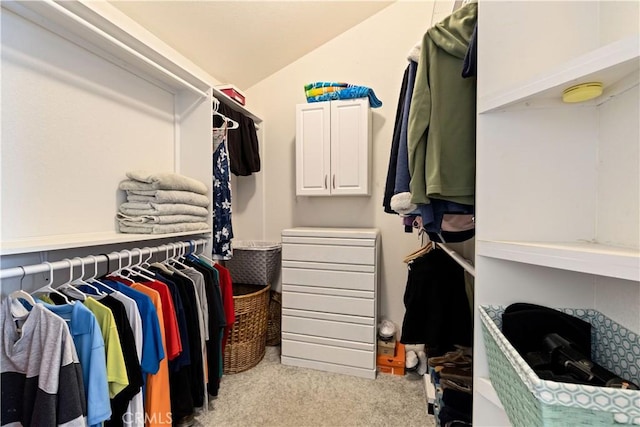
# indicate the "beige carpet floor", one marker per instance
pixel 271 394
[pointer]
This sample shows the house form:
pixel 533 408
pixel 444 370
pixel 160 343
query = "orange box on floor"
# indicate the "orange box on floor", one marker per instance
pixel 392 364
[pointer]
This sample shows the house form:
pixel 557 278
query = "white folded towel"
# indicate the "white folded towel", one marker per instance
pixel 168 196
pixel 132 220
pixel 143 180
pixel 137 209
pixel 164 228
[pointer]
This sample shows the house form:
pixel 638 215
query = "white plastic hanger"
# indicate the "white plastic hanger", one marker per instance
pixel 50 288
pixel 81 281
pixel 161 265
pixel 177 252
pixel 129 270
pixel 202 256
pixel 230 123
pixel 117 272
pixel 21 293
pixel 95 274
pixel 139 265
pixel 145 263
pixel 68 287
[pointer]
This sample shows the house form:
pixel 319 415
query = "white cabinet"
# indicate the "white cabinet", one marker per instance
pixel 333 148
pixel 329 299
pixel 558 185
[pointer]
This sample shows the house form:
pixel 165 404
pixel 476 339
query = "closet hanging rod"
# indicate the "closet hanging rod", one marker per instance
pixel 458 258
pixel 123 46
pixel 28 270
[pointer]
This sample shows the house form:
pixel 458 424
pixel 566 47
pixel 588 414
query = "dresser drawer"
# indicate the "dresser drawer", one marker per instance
pixel 329 253
pixel 330 354
pixel 343 318
pixel 328 329
pixel 329 304
pixel 329 279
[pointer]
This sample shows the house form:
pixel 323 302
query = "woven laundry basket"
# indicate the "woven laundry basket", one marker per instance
pixel 275 319
pixel 247 340
pixel 530 401
pixel 254 261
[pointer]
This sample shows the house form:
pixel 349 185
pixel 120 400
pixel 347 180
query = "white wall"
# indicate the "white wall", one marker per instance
pixel 371 54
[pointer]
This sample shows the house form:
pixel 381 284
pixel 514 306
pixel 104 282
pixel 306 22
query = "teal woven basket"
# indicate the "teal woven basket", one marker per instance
pixel 530 401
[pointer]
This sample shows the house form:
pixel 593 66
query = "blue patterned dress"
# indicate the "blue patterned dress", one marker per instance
pixel 222 230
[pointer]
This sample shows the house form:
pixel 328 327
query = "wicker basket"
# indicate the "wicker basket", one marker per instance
pixel 247 339
pixel 530 401
pixel 275 319
pixel 254 261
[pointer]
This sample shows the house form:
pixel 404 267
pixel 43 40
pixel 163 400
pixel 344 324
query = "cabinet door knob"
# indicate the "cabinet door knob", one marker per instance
pixel 334 181
pixel 325 181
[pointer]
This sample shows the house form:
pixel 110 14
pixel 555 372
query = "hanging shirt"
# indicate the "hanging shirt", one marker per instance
pixel 171 331
pixel 226 291
pixel 152 349
pixel 198 280
pixel 222 229
pixel 120 402
pixel 41 377
pixel 135 409
pixel 244 150
pixel 89 345
pixel 157 399
pixel 188 295
pixel 216 324
pixel 180 367
pixel 116 368
pixel 203 344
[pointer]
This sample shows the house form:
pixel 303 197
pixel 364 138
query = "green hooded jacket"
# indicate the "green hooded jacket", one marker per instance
pixel 442 118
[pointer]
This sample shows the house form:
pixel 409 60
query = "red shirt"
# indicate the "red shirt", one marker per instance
pixel 172 333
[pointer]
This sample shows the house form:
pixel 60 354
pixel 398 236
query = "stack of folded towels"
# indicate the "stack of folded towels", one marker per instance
pixel 159 203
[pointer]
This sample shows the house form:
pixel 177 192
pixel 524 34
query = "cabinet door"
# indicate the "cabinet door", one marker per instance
pixel 350 147
pixel 313 158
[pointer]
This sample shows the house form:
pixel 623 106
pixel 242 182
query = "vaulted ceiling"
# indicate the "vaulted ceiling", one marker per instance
pixel 242 42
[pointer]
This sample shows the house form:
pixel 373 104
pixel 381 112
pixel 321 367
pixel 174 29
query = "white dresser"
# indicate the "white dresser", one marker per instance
pixel 329 299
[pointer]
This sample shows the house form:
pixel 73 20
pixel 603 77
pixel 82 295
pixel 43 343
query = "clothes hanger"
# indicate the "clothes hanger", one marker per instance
pixel 202 256
pixel 117 272
pixel 161 265
pixel 192 255
pixel 420 252
pixel 72 292
pixel 230 123
pixel 138 266
pixel 129 270
pixel 145 263
pixel 428 247
pixel 95 273
pixel 177 251
pixel 22 294
pixel 81 281
pixel 50 288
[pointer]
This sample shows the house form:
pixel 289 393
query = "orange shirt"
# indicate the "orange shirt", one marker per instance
pixel 157 405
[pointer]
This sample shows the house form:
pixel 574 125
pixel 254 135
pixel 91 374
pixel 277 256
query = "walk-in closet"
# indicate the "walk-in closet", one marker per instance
pixel 311 213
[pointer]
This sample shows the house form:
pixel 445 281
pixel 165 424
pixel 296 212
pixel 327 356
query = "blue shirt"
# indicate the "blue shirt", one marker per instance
pixel 152 349
pixel 89 344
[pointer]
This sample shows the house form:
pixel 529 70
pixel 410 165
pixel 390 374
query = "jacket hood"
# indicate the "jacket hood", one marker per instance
pixel 453 33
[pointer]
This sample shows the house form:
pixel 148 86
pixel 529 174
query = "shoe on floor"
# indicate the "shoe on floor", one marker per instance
pixel 187 421
pixel 456 358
